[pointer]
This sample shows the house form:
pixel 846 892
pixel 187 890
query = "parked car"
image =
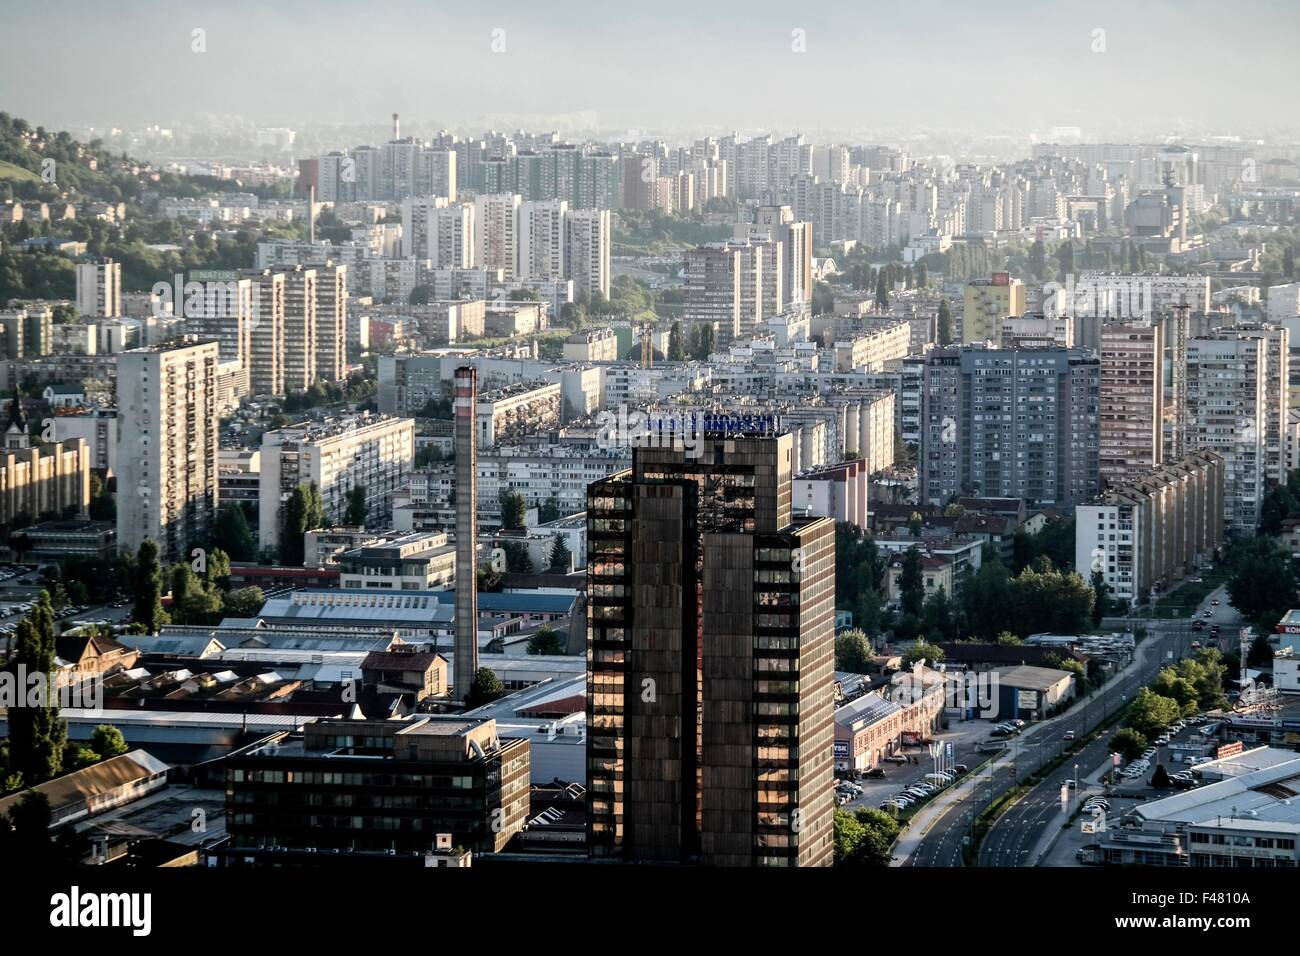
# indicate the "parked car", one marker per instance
pixel 874 772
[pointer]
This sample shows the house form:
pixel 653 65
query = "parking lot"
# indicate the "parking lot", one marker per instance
pixel 910 765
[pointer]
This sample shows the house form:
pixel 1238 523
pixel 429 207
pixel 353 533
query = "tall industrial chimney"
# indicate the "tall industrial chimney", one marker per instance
pixel 466 649
pixel 311 215
pixel 397 129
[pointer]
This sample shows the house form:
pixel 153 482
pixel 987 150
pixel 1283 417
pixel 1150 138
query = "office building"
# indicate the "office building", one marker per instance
pixel 167 458
pixel 375 788
pixel 710 660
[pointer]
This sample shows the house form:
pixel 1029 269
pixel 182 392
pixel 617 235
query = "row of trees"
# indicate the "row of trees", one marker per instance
pixel 1195 684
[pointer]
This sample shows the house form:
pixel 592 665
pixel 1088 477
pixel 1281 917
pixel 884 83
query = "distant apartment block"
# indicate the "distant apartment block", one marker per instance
pixel 99 288
pixel 987 303
pixel 1007 424
pixel 374 452
pixel 1131 400
pixel 1149 532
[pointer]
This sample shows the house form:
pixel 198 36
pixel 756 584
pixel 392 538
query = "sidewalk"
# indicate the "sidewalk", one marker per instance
pixel 925 818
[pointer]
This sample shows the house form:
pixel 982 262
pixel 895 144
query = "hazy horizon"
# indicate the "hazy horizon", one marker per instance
pixel 1007 66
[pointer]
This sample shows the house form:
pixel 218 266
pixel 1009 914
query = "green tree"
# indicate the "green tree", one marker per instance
pixel 301 512
pixel 518 560
pixel 183 584
pixel 1007 639
pixel 244 602
pixel 1262 583
pixel 485 688
pixel 546 641
pixel 922 650
pixel 852 652
pixel 882 289
pixel 848 835
pixel 549 511
pixel 1128 743
pixel 1049 600
pixel 356 511
pixel 148 611
pixel 561 557
pixel 676 343
pixel 911 583
pixel 1160 779
pixel 107 741
pixel 1098 598
pixel 945 323
pixel 513 509
pixel 937 617
pixel 1150 714
pixel 232 533
pixel 37 734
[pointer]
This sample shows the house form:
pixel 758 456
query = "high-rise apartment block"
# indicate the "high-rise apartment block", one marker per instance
pixel 710 658
pixel 99 288
pixel 1227 413
pixel 1131 401
pixel 167 458
pixel 373 452
pixel 1007 424
pixel 588 251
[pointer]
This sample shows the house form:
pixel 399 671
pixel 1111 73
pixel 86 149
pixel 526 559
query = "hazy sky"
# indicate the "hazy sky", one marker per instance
pixel 995 64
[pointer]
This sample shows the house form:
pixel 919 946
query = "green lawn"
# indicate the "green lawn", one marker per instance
pixel 10 171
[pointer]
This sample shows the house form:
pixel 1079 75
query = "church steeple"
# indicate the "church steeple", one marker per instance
pixel 16 428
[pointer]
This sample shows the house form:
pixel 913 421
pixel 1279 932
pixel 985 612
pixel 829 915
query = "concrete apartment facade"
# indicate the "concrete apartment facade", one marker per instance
pixel 1131 401
pixel 1150 532
pixel 168 467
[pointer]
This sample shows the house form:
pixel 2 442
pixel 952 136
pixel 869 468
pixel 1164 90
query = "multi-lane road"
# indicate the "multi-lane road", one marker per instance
pixel 1009 842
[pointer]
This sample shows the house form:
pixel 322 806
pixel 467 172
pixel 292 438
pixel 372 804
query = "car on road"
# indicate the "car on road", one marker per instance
pixel 1215 602
pixel 1017 723
pixel 896 758
pixel 874 772
pixel 1208 614
pixel 1198 626
pixel 1069 735
pixel 960 768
